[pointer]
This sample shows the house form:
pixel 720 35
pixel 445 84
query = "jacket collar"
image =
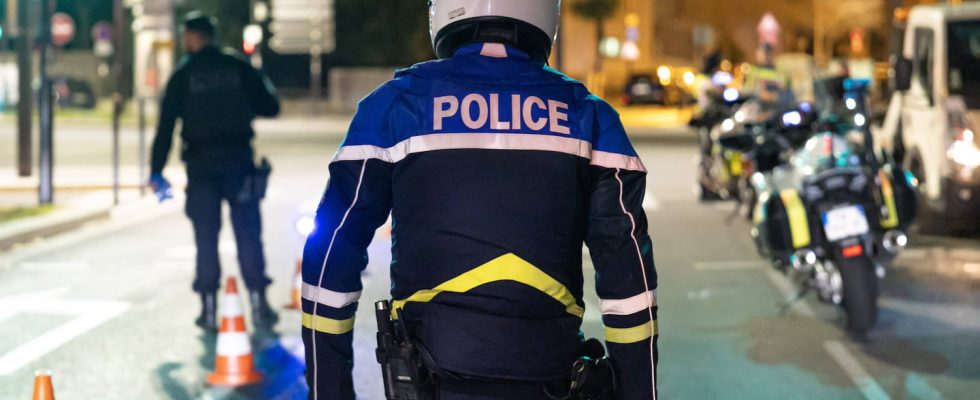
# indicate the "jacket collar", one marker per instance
pixel 491 50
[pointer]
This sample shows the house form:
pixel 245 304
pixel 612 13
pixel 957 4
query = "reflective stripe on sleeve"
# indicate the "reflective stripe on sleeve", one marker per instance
pixel 632 335
pixel 614 160
pixel 328 297
pixel 629 306
pixel 328 325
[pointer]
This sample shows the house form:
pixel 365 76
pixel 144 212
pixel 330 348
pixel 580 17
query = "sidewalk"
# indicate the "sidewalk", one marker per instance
pixel 72 212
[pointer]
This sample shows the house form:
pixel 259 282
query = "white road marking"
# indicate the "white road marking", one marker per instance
pixel 53 266
pixel 226 247
pixel 729 265
pixel 955 315
pixel 914 254
pixel 861 378
pixel 838 352
pixel 723 206
pixel 11 305
pixel 90 314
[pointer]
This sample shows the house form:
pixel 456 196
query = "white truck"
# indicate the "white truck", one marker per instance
pixel 933 121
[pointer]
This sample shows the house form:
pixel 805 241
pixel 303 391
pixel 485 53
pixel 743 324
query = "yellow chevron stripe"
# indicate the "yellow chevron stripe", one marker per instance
pixel 508 267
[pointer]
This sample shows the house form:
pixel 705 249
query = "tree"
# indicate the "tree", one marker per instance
pixel 598 11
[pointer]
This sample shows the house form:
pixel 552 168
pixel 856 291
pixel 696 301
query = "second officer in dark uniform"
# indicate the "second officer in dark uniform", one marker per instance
pixel 217 94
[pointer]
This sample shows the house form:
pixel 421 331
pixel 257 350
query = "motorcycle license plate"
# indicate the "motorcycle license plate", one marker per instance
pixel 844 222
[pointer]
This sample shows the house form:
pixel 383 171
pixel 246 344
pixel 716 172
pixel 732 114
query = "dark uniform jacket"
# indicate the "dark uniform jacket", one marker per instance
pixel 216 95
pixel 495 170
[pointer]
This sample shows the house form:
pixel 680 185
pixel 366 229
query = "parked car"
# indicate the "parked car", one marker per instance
pixel 643 89
pixel 73 93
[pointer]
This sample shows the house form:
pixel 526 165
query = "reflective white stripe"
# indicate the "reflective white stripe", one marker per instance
pixel 231 306
pixel 451 141
pixel 233 344
pixel 613 160
pixel 329 298
pixel 490 141
pixel 495 50
pixel 628 306
pixel 646 284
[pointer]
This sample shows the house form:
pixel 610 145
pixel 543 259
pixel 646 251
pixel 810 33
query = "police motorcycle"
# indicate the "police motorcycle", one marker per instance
pixel 764 142
pixel 719 168
pixel 836 214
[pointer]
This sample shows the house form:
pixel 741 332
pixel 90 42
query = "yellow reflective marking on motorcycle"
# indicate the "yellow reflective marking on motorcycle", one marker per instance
pixel 328 325
pixel 799 227
pixel 735 163
pixel 889 196
pixel 632 335
pixel 507 267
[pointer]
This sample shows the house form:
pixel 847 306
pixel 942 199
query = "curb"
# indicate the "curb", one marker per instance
pixel 22 232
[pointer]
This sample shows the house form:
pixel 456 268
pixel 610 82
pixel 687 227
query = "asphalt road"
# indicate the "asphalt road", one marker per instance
pixel 108 309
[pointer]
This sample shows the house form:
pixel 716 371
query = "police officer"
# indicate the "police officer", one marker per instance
pixel 495 169
pixel 216 94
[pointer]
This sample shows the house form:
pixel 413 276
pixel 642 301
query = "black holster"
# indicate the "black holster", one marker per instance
pixel 592 376
pixel 404 374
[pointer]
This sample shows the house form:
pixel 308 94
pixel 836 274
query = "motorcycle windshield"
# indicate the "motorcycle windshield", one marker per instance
pixel 827 151
pixel 964 56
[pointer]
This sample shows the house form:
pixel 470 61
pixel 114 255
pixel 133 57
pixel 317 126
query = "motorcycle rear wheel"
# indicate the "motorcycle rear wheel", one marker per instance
pixel 860 286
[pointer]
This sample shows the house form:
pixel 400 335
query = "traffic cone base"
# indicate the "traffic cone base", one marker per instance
pixel 234 365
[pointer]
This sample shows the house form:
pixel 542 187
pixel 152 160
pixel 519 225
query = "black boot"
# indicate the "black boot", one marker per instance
pixel 262 313
pixel 208 319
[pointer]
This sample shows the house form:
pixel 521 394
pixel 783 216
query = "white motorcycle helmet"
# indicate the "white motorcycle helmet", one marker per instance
pixel 529 25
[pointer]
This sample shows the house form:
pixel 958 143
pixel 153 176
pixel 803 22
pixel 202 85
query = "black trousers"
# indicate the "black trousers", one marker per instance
pixel 205 194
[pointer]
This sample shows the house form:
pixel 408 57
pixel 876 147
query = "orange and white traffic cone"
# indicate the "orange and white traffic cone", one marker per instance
pixel 42 386
pixel 234 365
pixel 296 294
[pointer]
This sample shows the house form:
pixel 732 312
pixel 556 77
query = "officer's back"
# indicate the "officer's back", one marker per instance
pixel 495 170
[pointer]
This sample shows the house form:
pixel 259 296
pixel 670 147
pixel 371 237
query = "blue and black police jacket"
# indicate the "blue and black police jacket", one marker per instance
pixel 495 170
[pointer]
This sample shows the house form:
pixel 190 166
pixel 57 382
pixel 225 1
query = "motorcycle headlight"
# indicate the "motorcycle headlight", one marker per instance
pixel 740 116
pixel 731 95
pixel 860 119
pixel 727 125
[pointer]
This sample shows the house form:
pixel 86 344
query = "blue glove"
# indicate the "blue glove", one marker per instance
pixel 161 187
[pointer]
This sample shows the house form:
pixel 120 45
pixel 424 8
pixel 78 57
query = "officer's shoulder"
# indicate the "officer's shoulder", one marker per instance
pixel 558 76
pixel 231 54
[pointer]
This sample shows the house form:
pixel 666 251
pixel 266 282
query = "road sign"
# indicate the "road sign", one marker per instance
pixel 62 29
pixel 102 30
pixel 102 35
pixel 302 27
